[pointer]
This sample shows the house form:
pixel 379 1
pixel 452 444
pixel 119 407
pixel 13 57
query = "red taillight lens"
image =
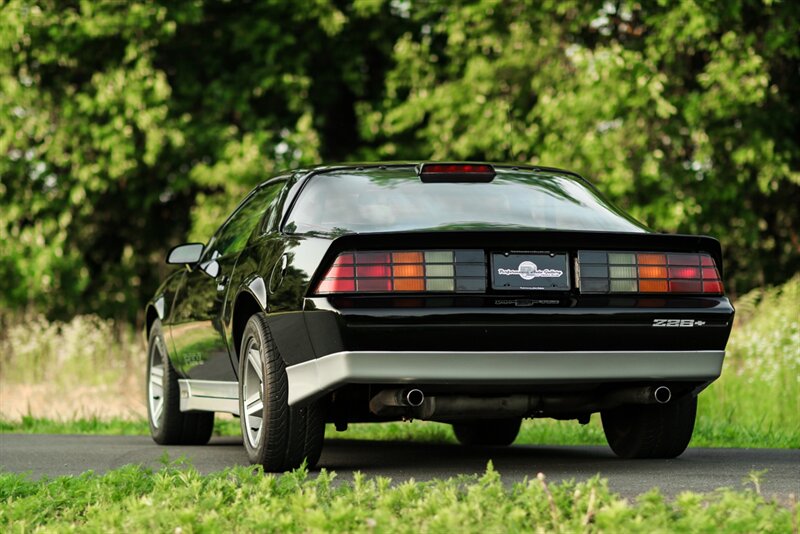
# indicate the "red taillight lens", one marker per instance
pixel 336 285
pixel 455 168
pixel 603 272
pixel 373 271
pixel 449 271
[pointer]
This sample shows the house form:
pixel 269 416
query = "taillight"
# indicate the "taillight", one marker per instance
pixel 449 271
pixel 647 272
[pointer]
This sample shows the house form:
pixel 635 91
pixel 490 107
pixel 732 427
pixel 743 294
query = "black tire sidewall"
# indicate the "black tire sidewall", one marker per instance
pixel 494 433
pixel 289 433
pixel 651 430
pixel 175 427
pixel 161 434
pixel 251 330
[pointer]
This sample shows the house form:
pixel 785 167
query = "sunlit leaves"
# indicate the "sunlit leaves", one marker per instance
pixel 681 113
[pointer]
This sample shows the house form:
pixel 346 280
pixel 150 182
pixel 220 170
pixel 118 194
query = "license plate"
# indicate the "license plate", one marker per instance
pixel 534 271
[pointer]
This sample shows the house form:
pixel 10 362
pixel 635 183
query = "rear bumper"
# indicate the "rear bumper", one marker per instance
pixel 314 378
pixel 490 324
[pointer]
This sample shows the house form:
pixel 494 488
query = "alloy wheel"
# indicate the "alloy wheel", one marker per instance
pixel 155 383
pixel 253 393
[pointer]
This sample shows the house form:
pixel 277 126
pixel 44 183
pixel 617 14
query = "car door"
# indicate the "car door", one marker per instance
pixel 198 331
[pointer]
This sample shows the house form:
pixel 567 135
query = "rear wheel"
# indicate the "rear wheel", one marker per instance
pixel 651 430
pixel 276 435
pixel 168 424
pixel 498 433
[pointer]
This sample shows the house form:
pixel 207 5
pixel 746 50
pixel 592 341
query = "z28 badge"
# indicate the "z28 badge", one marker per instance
pixel 677 323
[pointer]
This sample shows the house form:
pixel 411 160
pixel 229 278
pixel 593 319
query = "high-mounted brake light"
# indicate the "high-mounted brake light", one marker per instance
pixel 456 172
pixel 647 272
pixel 459 271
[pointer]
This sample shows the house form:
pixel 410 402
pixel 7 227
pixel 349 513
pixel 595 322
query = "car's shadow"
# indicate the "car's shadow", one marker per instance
pixel 364 455
pixel 404 460
pixel 444 459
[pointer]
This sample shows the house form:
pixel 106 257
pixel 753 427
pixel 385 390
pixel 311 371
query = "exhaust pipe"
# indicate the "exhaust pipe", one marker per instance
pixel 413 402
pixel 405 402
pixel 662 394
pixel 393 401
pixel 638 395
pixel 414 397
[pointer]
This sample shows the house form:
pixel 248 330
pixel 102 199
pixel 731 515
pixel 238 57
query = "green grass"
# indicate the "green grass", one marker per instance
pixel 101 427
pixel 708 433
pixel 112 427
pixel 755 403
pixel 177 499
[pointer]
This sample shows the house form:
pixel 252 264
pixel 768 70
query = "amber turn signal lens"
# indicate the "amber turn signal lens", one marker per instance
pixel 409 284
pixel 652 259
pixel 653 286
pixel 407 257
pixel 652 272
pixel 409 271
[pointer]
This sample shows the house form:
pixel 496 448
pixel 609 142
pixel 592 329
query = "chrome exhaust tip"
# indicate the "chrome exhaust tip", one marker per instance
pixel 662 394
pixel 396 401
pixel 415 397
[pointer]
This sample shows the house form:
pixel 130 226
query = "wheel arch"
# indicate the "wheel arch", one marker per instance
pixel 153 311
pixel 245 306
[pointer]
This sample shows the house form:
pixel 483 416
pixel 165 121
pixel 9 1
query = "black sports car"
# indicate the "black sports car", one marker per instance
pixel 465 293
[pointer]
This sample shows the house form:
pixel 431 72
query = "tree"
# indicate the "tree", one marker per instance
pixel 686 115
pixel 125 127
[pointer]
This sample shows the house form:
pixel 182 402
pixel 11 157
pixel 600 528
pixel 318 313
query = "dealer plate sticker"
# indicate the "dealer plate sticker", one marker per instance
pixel 539 271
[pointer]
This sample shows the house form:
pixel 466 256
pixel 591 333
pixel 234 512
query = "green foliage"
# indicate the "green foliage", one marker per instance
pixel 128 127
pixel 178 499
pixel 685 114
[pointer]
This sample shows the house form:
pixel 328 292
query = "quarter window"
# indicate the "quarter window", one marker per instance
pixel 233 236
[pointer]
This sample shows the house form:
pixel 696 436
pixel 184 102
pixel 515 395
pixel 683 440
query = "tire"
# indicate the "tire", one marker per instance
pixel 168 424
pixel 277 436
pixel 651 430
pixel 498 433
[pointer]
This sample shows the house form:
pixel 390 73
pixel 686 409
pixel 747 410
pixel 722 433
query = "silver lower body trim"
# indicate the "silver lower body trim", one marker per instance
pixel 316 377
pixel 209 396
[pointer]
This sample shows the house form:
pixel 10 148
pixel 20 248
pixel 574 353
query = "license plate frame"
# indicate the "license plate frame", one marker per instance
pixel 530 271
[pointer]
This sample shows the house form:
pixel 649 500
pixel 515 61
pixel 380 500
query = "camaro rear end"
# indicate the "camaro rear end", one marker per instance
pixel 471 294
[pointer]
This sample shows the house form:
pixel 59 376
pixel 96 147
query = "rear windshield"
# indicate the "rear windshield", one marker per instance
pixel 396 200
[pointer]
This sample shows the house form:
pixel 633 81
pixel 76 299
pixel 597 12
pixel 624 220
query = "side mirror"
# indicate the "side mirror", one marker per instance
pixel 187 254
pixel 211 268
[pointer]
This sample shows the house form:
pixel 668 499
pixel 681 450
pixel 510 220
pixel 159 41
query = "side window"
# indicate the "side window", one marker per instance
pixel 274 213
pixel 232 238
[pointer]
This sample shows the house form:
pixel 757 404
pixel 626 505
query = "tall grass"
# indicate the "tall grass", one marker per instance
pixel 756 402
pixel 84 368
pixel 86 350
pixel 760 383
pixel 757 398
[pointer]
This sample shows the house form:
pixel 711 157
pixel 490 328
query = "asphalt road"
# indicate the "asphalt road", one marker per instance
pixel 697 469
